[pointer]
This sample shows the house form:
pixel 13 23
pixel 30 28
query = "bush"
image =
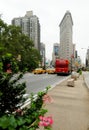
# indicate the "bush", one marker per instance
pixel 12 117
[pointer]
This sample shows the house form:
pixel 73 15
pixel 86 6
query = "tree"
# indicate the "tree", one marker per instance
pixel 15 42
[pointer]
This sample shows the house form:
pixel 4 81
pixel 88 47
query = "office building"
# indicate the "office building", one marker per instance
pixel 55 53
pixel 42 52
pixel 66 50
pixel 87 58
pixel 30 26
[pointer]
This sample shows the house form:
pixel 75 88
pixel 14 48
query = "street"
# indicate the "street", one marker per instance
pixel 36 83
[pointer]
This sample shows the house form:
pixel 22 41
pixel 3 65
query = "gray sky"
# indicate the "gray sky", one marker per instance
pixel 50 14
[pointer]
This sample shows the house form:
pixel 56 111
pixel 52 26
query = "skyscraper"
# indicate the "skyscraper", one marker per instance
pixel 87 58
pixel 55 53
pixel 42 52
pixel 30 26
pixel 66 32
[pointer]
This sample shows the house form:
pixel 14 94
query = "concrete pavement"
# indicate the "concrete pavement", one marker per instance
pixel 70 106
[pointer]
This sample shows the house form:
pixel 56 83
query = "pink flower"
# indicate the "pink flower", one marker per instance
pixel 45 121
pixel 9 71
pixel 41 123
pixel 41 117
pixel 50 120
pixel 47 99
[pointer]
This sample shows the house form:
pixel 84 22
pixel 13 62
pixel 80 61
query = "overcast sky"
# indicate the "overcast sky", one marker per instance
pixel 50 14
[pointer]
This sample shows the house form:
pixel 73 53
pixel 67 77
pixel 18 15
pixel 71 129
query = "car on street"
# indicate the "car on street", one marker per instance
pixel 50 70
pixel 39 71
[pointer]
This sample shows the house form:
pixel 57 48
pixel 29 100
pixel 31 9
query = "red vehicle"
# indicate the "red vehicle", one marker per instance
pixel 62 66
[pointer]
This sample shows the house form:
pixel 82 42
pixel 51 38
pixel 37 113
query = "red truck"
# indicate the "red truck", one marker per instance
pixel 62 66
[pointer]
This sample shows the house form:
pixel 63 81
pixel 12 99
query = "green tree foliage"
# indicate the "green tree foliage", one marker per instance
pixel 11 91
pixel 12 117
pixel 13 41
pixel 13 44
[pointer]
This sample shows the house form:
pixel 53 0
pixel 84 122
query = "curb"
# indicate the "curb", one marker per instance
pixel 85 81
pixel 54 85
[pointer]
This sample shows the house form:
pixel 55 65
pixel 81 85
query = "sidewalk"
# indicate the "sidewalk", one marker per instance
pixel 70 107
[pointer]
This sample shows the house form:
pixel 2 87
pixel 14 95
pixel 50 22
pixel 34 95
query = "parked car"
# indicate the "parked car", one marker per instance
pixel 50 70
pixel 39 71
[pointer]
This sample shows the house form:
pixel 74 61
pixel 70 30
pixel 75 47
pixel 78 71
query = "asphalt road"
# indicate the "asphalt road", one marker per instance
pixel 36 83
